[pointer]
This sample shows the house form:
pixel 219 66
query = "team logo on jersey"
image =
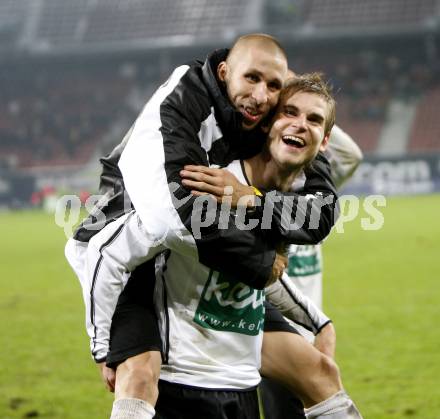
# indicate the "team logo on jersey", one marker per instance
pixel 230 306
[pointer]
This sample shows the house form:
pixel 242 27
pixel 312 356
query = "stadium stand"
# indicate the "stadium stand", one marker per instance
pixel 58 117
pixel 89 22
pixel 164 18
pixel 366 130
pixel 369 14
pixel 12 20
pixel 425 134
pixel 56 113
pixel 62 22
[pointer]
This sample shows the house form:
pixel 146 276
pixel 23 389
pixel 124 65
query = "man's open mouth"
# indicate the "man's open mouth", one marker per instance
pixel 293 141
pixel 251 114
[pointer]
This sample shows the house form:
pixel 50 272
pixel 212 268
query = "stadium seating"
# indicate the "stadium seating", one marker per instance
pixel 365 130
pixel 12 20
pixel 57 117
pixel 425 135
pixel 62 22
pixel 104 21
pixel 58 113
pixel 369 14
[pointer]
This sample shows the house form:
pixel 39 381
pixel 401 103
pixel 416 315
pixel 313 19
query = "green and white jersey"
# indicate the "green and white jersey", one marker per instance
pixel 305 270
pixel 211 325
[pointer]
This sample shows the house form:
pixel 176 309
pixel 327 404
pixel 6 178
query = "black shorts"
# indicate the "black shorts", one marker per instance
pixel 275 322
pixel 177 401
pixel 134 328
pixel 277 400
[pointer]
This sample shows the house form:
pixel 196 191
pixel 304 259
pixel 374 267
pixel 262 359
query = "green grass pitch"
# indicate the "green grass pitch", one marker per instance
pixel 381 288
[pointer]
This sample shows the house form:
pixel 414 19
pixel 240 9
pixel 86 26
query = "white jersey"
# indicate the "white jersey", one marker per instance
pixel 211 325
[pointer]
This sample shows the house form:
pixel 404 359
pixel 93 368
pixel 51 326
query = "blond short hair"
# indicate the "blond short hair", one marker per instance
pixel 312 83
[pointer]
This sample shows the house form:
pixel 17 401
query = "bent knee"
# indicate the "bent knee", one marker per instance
pixel 140 369
pixel 138 377
pixel 326 376
pixel 322 382
pixel 328 367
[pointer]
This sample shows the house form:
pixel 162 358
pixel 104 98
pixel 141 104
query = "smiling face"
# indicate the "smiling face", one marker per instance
pixel 298 130
pixel 253 81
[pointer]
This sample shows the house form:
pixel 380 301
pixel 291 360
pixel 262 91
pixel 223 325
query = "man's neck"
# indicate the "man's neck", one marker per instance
pixel 263 172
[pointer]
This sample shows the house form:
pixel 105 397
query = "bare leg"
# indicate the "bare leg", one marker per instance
pixel 313 376
pixel 289 359
pixel 136 389
pixel 137 377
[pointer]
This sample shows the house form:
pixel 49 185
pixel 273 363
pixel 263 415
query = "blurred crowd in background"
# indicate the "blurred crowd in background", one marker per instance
pixel 74 75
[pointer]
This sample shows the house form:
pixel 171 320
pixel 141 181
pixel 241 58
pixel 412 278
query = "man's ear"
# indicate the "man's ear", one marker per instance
pixel 222 69
pixel 324 142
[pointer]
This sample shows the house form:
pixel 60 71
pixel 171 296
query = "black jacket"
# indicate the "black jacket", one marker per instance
pixel 198 125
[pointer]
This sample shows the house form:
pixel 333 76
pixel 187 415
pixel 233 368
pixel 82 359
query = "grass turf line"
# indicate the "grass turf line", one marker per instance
pixel 380 288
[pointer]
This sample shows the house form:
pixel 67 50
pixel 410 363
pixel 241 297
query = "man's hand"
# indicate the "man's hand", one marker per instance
pixel 205 180
pixel 108 375
pixel 278 267
pixel 325 340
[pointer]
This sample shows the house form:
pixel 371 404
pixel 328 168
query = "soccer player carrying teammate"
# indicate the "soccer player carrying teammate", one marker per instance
pixel 307 85
pixel 216 339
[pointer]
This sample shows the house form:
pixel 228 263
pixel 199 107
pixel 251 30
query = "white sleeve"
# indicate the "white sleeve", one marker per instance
pixel 294 305
pixel 112 254
pixel 344 155
pixel 142 165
